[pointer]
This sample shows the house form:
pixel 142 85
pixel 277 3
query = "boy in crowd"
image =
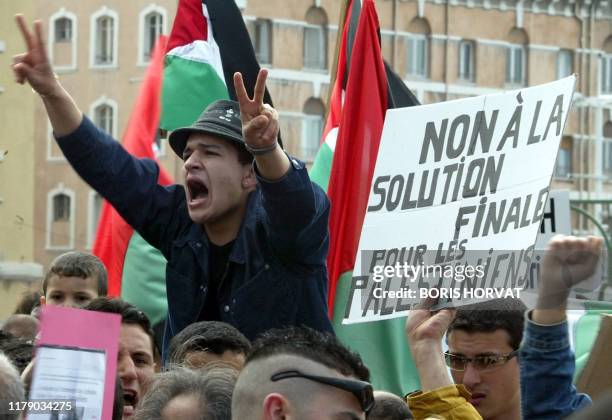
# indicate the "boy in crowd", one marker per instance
pixel 483 342
pixel 73 280
pixel 302 374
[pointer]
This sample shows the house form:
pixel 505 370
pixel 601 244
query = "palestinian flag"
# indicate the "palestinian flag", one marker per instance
pixel 208 44
pixel 364 88
pixel 124 252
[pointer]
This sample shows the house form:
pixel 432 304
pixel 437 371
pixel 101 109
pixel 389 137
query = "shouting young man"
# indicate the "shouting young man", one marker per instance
pixel 245 236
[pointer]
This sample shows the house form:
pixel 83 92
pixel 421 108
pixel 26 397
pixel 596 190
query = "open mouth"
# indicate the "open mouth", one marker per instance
pixel 197 189
pixel 130 399
pixel 477 398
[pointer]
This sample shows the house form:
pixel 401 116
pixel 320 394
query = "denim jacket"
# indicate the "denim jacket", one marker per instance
pixel 547 368
pixel 276 275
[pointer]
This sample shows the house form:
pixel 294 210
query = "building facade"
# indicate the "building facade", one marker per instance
pixel 444 50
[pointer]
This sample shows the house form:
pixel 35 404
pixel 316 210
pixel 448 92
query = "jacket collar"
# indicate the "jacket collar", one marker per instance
pixel 197 234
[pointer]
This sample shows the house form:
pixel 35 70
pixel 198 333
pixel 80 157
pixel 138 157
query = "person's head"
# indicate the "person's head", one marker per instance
pixel 389 407
pixel 27 303
pixel 73 280
pixel 203 342
pixel 19 350
pixel 135 361
pixel 21 326
pixel 491 332
pixel 204 394
pixel 217 167
pixel 299 373
pixel 11 387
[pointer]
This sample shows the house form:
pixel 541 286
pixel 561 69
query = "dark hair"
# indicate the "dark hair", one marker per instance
pixel 130 314
pixel 28 301
pixel 244 157
pixel 490 316
pixel 323 348
pixel 212 386
pixel 389 408
pixel 19 350
pixel 78 264
pixel 213 336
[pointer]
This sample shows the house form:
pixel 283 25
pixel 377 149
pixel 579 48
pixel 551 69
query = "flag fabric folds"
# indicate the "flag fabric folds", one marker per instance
pixel 365 87
pixel 134 267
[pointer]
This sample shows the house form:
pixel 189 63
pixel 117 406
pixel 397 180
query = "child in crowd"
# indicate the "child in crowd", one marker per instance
pixel 73 280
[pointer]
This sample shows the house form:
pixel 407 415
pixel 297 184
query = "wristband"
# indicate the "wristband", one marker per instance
pixel 260 150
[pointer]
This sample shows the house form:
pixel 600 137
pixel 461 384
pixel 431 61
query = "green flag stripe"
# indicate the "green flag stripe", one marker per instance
pixel 189 86
pixel 381 344
pixel 143 265
pixel 321 168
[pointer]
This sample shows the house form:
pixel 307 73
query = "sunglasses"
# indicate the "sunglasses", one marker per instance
pixel 361 390
pixel 481 363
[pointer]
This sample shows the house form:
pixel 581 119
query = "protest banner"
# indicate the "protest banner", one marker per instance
pixel 76 364
pixel 457 199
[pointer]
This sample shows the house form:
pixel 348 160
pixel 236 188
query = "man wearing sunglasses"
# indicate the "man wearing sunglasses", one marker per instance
pixel 301 374
pixel 483 342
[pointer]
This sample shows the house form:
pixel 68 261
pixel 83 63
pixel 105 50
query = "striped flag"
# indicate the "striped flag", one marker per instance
pixel 365 87
pixel 125 254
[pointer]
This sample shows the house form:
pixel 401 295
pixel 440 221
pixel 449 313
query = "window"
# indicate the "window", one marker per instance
pixel 103 38
pixel 60 218
pixel 104 118
pixel 417 55
pixel 607 149
pixel 61 207
pixel 95 209
pixel 563 166
pixel 63 40
pixel 466 60
pixel 262 40
pixel 607 158
pixel 565 63
pixel 63 30
pixel 515 64
pixel 606 73
pixel 315 39
pixel 154 23
pixel 312 129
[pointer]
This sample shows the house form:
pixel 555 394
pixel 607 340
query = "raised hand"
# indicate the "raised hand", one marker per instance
pixel 424 326
pixel 260 125
pixel 568 261
pixel 33 66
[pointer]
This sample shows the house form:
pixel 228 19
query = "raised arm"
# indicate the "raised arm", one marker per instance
pixel 438 395
pixel 546 360
pixel 34 67
pixel 260 128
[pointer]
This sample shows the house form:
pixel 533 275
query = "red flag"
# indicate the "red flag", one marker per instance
pixel 114 234
pixel 360 128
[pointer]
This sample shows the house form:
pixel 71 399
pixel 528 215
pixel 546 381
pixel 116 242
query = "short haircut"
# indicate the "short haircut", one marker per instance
pixel 11 386
pixel 212 336
pixel 130 314
pixel 389 408
pixel 19 350
pixel 244 157
pixel 323 348
pixel 212 386
pixel 490 316
pixel 78 264
pixel 20 325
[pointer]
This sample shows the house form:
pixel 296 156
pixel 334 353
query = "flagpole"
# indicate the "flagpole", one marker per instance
pixel 334 69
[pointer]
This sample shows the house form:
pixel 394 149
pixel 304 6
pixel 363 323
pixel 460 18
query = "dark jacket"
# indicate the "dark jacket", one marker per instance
pixel 276 275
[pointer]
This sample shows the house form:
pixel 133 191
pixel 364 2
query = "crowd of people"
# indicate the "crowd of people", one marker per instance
pixel 248 334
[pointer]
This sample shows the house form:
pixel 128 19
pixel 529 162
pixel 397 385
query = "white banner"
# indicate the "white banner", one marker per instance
pixel 458 196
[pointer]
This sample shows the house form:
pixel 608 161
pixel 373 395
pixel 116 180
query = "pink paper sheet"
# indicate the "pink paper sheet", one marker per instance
pixel 85 329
